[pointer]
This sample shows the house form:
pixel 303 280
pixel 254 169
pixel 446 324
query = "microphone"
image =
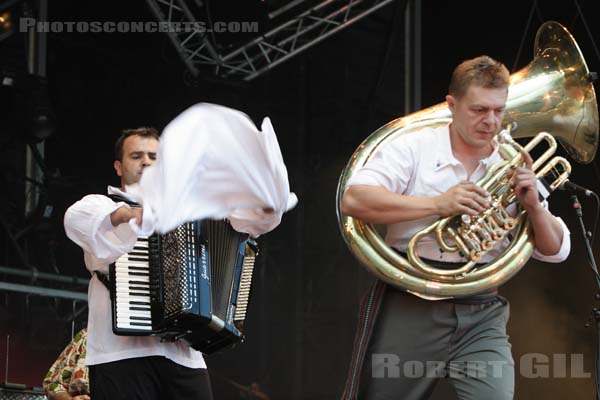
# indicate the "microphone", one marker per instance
pixel 575 188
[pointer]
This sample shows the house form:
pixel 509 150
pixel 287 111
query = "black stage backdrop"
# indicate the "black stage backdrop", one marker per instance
pixel 323 103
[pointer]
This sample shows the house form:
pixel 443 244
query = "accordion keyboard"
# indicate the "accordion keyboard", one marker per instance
pixel 132 288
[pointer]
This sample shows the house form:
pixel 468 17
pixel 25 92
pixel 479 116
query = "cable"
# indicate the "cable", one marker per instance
pixel 575 17
pixel 595 226
pixel 518 57
pixel 539 12
pixel 587 28
pixel 390 45
pixel 589 243
pixel 210 23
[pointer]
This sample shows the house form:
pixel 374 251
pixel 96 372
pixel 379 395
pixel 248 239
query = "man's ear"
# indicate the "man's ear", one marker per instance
pixel 451 100
pixel 117 165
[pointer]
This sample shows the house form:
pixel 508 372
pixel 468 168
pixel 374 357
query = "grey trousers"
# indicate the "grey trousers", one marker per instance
pixel 416 342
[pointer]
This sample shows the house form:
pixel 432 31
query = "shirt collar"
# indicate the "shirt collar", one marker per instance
pixel 446 156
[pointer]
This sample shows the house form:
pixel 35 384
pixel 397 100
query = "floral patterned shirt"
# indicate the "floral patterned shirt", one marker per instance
pixel 69 373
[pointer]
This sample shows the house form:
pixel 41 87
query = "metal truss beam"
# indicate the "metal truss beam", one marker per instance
pixel 193 47
pixel 269 50
pixel 43 291
pixel 15 391
pixel 34 274
pixel 40 290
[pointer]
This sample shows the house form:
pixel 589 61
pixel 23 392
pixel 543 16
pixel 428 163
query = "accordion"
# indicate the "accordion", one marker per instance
pixel 190 284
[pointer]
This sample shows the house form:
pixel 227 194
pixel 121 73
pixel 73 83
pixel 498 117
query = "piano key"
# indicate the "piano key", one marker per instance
pixel 137 251
pixel 125 292
pixel 124 307
pixel 139 303
pixel 127 264
pixel 135 255
pixel 129 306
pixel 133 268
pixel 132 274
pixel 134 313
pixel 131 297
pixel 137 259
pixel 133 294
pixel 124 298
pixel 130 283
pixel 136 326
pixel 138 269
pixel 140 280
pixel 140 308
pixel 134 320
pixel 129 303
pixel 126 287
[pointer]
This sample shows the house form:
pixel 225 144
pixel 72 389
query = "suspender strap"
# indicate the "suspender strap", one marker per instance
pixel 369 309
pixel 119 198
pixel 105 280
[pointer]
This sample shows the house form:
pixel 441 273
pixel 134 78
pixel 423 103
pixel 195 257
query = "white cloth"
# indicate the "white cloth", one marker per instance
pixel 214 163
pixel 87 223
pixel 422 164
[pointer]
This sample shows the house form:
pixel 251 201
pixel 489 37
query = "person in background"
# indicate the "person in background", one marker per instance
pixel 68 377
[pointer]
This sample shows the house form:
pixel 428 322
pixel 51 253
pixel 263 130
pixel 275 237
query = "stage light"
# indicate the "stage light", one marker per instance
pixel 43 124
pixel 5 21
pixel 40 117
pixel 6 25
pixel 7 81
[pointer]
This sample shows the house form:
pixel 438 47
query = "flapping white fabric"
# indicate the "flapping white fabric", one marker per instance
pixel 214 163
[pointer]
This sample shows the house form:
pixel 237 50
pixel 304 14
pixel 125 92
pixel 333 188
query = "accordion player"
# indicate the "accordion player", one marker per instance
pixel 190 284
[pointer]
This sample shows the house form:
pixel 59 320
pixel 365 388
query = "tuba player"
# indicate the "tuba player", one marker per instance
pixel 412 341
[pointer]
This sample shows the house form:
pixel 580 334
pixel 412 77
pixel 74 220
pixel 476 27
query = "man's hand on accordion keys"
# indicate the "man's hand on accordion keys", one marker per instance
pixel 123 215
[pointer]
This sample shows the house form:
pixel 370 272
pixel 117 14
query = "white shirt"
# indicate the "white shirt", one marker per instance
pixel 87 223
pixel 422 164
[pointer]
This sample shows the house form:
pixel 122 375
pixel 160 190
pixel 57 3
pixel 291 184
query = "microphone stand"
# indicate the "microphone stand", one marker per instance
pixel 595 312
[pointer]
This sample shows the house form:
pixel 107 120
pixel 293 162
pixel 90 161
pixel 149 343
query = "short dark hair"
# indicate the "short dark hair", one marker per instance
pixel 481 71
pixel 145 132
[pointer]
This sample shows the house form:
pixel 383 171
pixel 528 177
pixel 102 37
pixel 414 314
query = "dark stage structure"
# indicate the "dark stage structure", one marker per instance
pixel 327 73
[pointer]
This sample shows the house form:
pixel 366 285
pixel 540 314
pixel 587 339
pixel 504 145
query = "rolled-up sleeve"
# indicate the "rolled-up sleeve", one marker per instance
pixel 563 252
pixel 390 167
pixel 87 223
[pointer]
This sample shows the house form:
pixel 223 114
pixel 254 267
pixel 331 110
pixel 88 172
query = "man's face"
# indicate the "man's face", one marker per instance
pixel 477 116
pixel 138 153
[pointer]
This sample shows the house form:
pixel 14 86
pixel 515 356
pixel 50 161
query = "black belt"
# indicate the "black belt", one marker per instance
pixel 488 297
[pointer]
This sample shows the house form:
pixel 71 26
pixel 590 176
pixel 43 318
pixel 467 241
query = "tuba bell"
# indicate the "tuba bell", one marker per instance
pixel 553 93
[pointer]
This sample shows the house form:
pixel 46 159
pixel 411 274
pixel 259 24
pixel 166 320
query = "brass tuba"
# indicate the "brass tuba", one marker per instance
pixel 554 94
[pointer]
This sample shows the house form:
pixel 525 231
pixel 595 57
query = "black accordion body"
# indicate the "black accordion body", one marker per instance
pixel 190 284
